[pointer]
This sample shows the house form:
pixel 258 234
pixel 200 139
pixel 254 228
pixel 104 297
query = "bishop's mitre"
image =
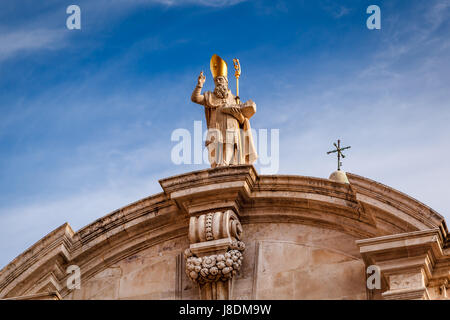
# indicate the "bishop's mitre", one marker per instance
pixel 218 67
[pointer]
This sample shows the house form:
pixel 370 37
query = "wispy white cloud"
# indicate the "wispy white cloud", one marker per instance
pixel 335 9
pixel 167 3
pixel 207 3
pixel 25 41
pixel 340 11
pixel 41 33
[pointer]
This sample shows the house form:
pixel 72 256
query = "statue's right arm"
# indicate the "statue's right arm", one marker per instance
pixel 197 96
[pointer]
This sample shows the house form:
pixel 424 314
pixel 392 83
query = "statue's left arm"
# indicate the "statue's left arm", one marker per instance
pixel 234 111
pixel 248 109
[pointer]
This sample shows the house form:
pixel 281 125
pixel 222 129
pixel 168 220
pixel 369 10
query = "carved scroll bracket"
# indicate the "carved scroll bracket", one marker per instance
pixel 215 254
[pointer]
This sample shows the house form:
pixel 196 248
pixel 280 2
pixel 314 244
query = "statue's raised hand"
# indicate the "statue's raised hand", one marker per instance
pixel 201 79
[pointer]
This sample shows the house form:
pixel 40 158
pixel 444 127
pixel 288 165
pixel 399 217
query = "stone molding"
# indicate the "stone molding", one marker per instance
pixel 386 199
pixel 220 189
pixel 409 263
pixel 39 296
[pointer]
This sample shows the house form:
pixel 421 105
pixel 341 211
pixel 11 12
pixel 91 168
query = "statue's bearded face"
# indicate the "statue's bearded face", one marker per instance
pixel 221 89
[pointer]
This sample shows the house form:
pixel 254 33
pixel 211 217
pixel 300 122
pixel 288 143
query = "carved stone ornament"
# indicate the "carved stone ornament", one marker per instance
pixel 214 226
pixel 214 267
pixel 215 254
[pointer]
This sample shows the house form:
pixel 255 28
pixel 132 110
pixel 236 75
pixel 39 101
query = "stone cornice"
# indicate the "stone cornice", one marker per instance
pixel 221 188
pixel 209 176
pixel 44 257
pixel 407 208
pixel 408 262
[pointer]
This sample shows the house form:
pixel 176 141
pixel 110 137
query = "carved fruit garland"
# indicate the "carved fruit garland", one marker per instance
pixel 215 267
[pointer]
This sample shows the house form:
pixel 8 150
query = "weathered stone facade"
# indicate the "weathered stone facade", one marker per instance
pixel 229 233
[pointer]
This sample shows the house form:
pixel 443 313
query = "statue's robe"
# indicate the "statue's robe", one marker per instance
pixel 225 130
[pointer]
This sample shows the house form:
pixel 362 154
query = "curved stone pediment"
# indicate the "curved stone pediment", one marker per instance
pixel 136 251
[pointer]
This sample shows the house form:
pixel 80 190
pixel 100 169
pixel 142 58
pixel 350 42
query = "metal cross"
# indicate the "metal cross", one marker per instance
pixel 339 152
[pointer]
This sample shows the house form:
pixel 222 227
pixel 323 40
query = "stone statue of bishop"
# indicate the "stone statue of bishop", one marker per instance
pixel 229 139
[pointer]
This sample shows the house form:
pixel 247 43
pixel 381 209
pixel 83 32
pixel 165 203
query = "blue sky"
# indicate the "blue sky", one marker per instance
pixel 87 115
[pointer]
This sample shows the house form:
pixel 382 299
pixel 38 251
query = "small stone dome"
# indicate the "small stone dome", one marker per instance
pixel 339 176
